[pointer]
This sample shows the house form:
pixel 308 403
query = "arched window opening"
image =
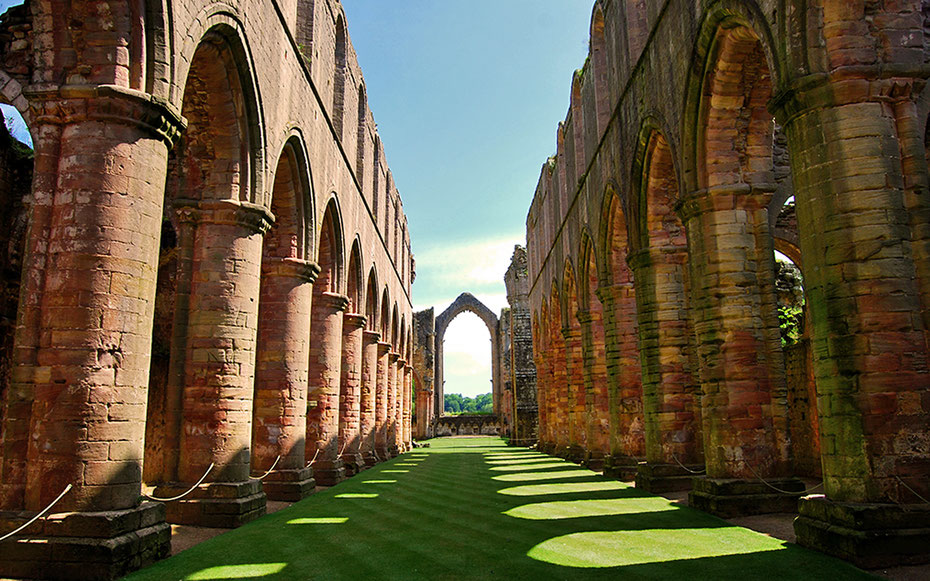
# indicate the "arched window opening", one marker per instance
pixel 339 76
pixel 467 366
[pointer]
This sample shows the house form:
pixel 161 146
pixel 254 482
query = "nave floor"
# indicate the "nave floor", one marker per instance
pixel 473 508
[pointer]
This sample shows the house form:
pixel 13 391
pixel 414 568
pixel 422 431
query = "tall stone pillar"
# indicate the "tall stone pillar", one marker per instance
pixel 392 401
pixel 76 407
pixel 350 392
pixel 368 400
pixel 671 404
pixel 406 372
pixel 219 366
pixel 280 409
pixel 381 414
pixel 575 396
pixel 558 394
pixel 596 422
pixel 543 389
pixel 742 368
pixel 624 381
pixel 864 289
pixel 325 376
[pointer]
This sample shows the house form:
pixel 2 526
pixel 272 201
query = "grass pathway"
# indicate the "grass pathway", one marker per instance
pixel 473 508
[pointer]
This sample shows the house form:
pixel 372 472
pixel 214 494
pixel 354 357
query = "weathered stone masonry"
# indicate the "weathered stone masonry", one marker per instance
pixel 650 245
pixel 215 246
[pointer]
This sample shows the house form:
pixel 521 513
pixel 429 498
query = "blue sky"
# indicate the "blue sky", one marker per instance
pixel 467 95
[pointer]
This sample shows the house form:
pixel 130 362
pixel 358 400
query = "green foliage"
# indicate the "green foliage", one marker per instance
pixel 789 284
pixel 455 404
pixel 791 322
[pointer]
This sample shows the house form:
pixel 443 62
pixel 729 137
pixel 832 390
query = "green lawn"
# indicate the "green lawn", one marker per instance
pixel 473 508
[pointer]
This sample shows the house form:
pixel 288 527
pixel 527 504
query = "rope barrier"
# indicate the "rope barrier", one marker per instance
pixel 686 468
pixel 180 496
pixel 779 490
pixel 38 516
pixel 903 483
pixel 262 477
pixel 314 458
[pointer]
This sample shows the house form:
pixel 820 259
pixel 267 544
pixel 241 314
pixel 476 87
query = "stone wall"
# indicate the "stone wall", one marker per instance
pixel 215 258
pixel 651 270
pixel 468 425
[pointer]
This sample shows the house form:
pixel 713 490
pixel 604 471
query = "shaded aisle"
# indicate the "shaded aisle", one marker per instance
pixel 473 508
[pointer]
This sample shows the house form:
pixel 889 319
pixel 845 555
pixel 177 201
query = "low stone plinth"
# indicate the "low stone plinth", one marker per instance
pixel 329 472
pixel 289 485
pixel 728 498
pixel 660 478
pixel 223 505
pixel 621 468
pixel 353 463
pixel 79 546
pixel 868 535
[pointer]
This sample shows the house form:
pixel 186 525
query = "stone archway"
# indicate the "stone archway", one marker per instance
pixel 467 302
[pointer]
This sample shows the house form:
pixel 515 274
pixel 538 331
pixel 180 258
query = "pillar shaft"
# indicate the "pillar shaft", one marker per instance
pixel 83 339
pixel 408 395
pixel 280 407
pixel 863 289
pixel 381 414
pixel 736 324
pixel 325 376
pixel 624 379
pixel 670 400
pixel 368 400
pixel 392 401
pixel 596 418
pixel 221 335
pixel 350 391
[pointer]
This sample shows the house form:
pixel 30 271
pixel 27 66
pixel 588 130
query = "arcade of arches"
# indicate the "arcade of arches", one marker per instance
pixel 209 268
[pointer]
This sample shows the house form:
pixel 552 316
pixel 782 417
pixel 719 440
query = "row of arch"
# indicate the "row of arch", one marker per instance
pixel 655 315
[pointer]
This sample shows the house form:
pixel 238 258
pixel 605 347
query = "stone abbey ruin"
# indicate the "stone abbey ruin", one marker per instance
pixel 207 272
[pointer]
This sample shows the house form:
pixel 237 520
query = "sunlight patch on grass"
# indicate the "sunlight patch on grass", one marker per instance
pixel 622 548
pixel 524 460
pixel 356 495
pixel 563 488
pixel 531 476
pixel 321 520
pixel 379 482
pixel 586 508
pixel 518 467
pixel 250 571
pixel 394 471
pixel 407 464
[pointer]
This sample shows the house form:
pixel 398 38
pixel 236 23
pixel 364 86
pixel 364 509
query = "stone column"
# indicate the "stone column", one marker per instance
pixel 280 407
pixel 408 395
pixel 325 375
pixel 594 370
pixel 392 402
pixel 542 394
pixel 76 406
pixel 624 381
pixel 219 366
pixel 671 404
pixel 558 395
pixel 575 393
pixel 864 291
pixel 381 413
pixel 368 401
pixel 349 400
pixel 742 367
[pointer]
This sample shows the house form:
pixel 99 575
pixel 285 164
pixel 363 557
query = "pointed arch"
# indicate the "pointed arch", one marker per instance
pixel 599 69
pixel 355 278
pixel 340 50
pixel 292 235
pixel 331 253
pixel 371 299
pixel 385 317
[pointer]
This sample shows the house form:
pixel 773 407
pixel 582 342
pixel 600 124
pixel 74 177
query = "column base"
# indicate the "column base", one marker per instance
pixel 329 472
pixel 546 447
pixel 621 467
pixel 867 535
pixel 524 443
pixel 659 478
pixel 354 463
pixel 383 453
pixel 223 505
pixel 593 460
pixel 289 485
pixel 394 451
pixel 78 546
pixel 728 498
pixel 575 453
pixel 370 459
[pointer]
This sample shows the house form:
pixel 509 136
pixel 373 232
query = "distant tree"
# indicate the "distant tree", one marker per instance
pixel 455 403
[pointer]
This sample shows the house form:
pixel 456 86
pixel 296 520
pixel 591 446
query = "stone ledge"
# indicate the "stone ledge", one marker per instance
pixel 94 553
pixel 218 504
pixel 728 498
pixel 659 478
pixel 289 485
pixel 868 535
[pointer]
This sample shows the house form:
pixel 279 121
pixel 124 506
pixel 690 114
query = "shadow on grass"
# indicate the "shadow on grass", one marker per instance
pixel 450 518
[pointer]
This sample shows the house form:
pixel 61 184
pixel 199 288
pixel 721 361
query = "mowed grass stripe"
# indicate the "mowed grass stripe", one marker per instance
pixel 446 520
